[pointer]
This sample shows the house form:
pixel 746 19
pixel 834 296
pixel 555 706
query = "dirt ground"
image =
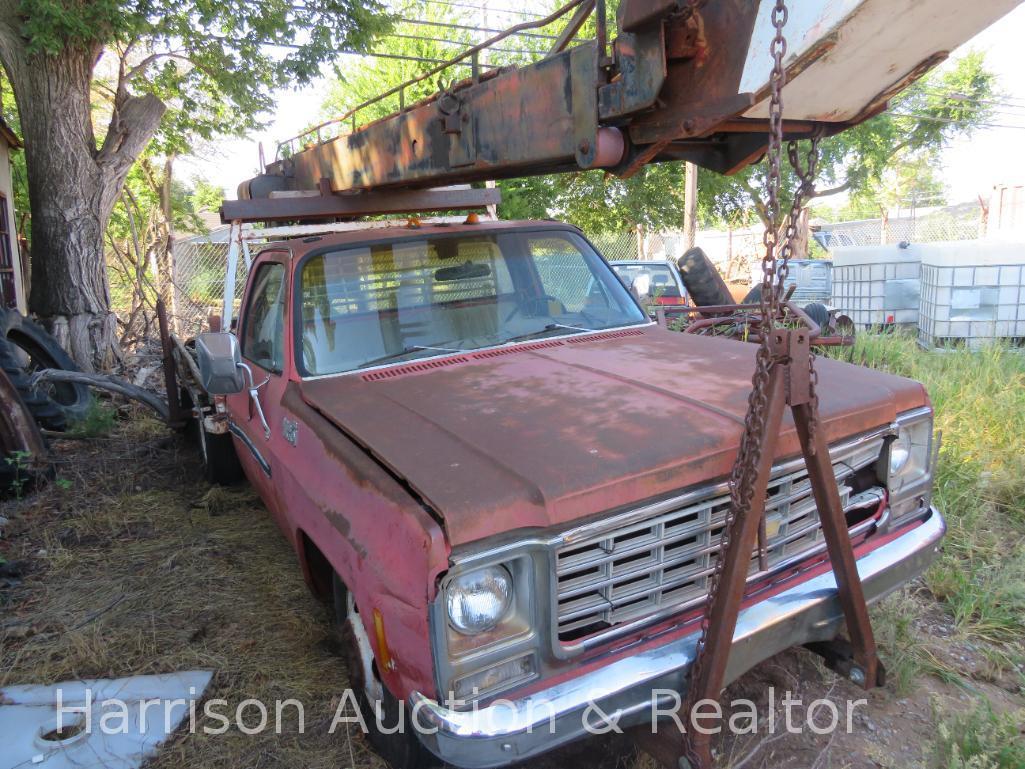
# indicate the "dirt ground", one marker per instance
pixel 127 564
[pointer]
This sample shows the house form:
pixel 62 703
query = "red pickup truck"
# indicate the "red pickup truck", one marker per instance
pixel 511 482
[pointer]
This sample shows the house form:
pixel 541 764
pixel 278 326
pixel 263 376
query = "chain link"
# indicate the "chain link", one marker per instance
pixel 806 175
pixel 745 469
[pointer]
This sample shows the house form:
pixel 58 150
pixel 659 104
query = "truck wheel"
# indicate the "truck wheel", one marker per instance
pixel 704 283
pixel 220 461
pixel 27 345
pixel 403 749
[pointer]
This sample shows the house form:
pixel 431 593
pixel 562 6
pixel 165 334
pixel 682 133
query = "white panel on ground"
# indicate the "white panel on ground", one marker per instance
pixel 103 725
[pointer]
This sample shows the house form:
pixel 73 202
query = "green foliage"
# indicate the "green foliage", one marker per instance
pixel 598 202
pixel 205 196
pixel 214 63
pixel 18 173
pixel 98 421
pixel 51 25
pixel 979 739
pixel 979 398
pixel 140 205
pixel 360 80
pixel 19 462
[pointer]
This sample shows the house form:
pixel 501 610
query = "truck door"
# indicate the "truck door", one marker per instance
pixel 265 346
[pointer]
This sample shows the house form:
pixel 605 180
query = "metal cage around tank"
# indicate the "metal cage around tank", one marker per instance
pixel 972 294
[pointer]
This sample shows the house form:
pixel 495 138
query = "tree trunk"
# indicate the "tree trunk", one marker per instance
pixel 73 186
pixel 70 292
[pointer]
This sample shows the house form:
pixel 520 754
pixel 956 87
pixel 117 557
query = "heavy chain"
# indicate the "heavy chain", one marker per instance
pixel 806 174
pixel 745 469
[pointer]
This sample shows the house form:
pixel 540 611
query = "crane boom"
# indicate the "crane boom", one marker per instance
pixel 683 80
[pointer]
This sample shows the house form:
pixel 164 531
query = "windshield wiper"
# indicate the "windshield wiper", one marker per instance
pixel 394 356
pixel 547 329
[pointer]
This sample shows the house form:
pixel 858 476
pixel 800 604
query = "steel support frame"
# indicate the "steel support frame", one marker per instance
pixel 790 385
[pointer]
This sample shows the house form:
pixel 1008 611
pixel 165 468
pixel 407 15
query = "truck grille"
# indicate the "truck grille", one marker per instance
pixel 664 562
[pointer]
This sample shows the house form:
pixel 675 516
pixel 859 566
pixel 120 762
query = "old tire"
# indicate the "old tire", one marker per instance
pixel 220 460
pixel 25 347
pixel 43 409
pixel 819 313
pixel 704 283
pixel 402 749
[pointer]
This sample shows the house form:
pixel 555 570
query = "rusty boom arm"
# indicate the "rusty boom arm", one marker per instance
pixel 684 80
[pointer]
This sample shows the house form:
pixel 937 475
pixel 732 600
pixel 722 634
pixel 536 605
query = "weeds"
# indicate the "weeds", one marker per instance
pixel 907 658
pixel 979 739
pixel 98 421
pixel 18 462
pixel 979 398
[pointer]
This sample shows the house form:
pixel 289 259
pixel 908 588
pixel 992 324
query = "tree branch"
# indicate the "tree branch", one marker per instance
pixel 141 67
pixel 105 382
pixel 131 127
pixel 760 209
pixel 831 190
pixel 12 46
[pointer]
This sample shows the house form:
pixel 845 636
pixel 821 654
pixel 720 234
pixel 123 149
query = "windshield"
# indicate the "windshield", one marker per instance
pixel 386 302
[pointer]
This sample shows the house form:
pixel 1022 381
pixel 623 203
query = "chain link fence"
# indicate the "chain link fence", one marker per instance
pixel 199 271
pixel 952 223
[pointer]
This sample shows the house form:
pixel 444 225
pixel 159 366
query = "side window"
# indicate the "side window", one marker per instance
pixel 263 332
pixel 565 276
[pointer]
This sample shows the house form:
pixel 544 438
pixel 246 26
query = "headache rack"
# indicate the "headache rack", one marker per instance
pixel 323 213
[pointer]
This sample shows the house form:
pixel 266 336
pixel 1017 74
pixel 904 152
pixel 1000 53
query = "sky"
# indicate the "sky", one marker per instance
pixel 994 155
pixel 971 167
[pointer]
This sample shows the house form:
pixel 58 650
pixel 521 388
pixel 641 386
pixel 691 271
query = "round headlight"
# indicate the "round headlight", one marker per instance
pixel 478 600
pixel 900 452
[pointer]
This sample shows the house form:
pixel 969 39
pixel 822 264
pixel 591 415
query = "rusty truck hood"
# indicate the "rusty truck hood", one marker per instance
pixel 542 434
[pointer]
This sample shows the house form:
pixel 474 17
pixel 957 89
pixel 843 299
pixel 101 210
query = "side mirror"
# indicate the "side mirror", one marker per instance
pixel 220 363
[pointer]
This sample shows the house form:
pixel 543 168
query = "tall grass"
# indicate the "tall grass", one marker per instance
pixel 979 398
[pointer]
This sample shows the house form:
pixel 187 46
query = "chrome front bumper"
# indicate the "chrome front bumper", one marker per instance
pixel 509 731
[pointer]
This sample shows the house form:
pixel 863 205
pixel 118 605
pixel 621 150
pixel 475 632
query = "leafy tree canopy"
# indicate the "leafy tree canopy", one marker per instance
pixel 213 63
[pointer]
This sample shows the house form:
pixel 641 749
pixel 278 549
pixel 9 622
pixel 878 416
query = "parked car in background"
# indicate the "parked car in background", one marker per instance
pixel 656 282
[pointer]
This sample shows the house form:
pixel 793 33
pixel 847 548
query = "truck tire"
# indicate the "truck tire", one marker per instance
pixel 819 313
pixel 402 749
pixel 44 411
pixel 220 460
pixel 704 283
pixel 25 347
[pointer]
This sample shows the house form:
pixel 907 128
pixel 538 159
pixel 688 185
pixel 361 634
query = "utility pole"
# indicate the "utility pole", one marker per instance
pixel 690 205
